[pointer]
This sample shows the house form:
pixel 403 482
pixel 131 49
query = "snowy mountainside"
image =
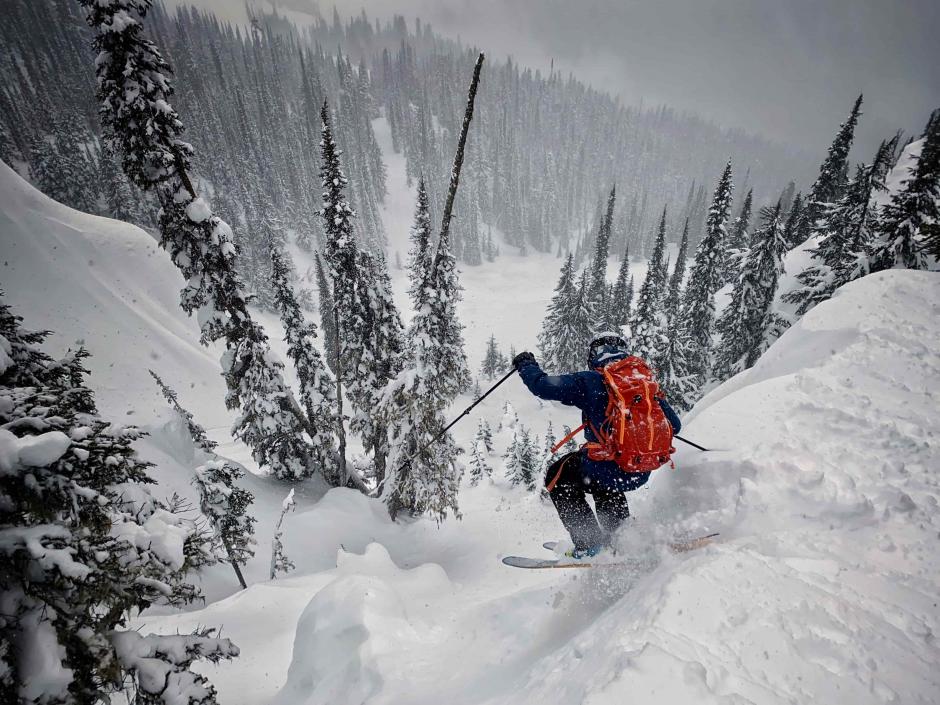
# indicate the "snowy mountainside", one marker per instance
pixel 108 284
pixel 822 587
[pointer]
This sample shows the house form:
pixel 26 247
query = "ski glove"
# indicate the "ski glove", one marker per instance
pixel 522 359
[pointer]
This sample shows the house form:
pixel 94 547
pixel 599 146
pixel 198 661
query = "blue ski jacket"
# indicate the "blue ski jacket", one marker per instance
pixel 586 391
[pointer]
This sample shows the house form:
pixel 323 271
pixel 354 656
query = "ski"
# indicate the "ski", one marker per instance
pixel 679 546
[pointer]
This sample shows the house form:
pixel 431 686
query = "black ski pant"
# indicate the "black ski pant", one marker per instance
pixel 568 489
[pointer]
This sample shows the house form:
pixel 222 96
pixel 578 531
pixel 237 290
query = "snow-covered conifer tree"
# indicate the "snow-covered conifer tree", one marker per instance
pixel 831 182
pixel 84 544
pixel 621 298
pixel 492 360
pixel 140 124
pixel 598 283
pixel 791 230
pixel 327 317
pixel 225 505
pixel 317 390
pixel 748 325
pixel 420 254
pixel 908 227
pixel 647 329
pixel 738 239
pixel 522 459
pixel 196 431
pixel 280 563
pixel 568 324
pixel 378 358
pixel 482 447
pixel 846 236
pixel 673 298
pixel 698 303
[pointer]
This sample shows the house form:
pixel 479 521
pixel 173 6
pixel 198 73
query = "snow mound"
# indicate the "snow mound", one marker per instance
pixel 108 284
pixel 357 633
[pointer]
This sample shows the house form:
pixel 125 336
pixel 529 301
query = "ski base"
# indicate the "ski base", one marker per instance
pixel 682 546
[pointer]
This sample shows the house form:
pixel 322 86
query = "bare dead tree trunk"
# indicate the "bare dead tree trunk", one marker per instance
pixel 458 157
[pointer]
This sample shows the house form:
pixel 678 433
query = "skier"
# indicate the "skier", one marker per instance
pixel 572 476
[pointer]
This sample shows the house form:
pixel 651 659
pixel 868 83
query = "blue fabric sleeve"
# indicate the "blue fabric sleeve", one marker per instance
pixel 568 389
pixel 671 416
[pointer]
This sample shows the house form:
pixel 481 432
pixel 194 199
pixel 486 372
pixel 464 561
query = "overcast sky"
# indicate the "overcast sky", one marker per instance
pixel 788 69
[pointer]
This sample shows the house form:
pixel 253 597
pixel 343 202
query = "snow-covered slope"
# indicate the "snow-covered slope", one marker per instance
pixel 823 587
pixel 109 284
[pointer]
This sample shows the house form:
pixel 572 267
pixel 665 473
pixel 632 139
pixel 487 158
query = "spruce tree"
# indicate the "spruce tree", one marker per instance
pixel 73 494
pixel 327 317
pixel 568 325
pixel 647 329
pixel 492 360
pixel 621 299
pixel 316 387
pixel 140 123
pixel 831 182
pixel 196 431
pixel 379 356
pixel 791 230
pixel 674 290
pixel 225 505
pixel 419 256
pixel 482 447
pixel 907 227
pixel 698 305
pixel 522 459
pixel 748 323
pixel 598 284
pixel 847 235
pixel 738 239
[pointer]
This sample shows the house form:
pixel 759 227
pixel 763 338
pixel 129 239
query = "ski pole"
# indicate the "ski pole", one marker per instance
pixel 453 423
pixel 694 445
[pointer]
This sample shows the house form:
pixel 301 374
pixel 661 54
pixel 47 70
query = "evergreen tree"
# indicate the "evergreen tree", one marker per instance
pixel 831 182
pixel 568 325
pixel 572 445
pixel 846 236
pixel 196 431
pixel 419 256
pixel 748 324
pixel 621 298
pixel 316 387
pixel 280 563
pixel 123 203
pixel 522 459
pixel 738 239
pixel 598 282
pixel 225 505
pixel 698 306
pixel 138 121
pixel 379 357
pixel 327 318
pixel 908 227
pixel 482 447
pixel 647 329
pixel 492 360
pixel 791 231
pixel 73 490
pixel 549 455
pixel 674 291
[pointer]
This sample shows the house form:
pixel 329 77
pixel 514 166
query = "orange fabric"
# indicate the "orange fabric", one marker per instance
pixel 551 485
pixel 568 438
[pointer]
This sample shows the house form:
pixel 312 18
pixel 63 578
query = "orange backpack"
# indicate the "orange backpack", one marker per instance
pixel 636 433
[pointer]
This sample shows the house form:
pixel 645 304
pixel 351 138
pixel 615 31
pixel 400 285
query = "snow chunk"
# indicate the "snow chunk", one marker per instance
pixel 198 210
